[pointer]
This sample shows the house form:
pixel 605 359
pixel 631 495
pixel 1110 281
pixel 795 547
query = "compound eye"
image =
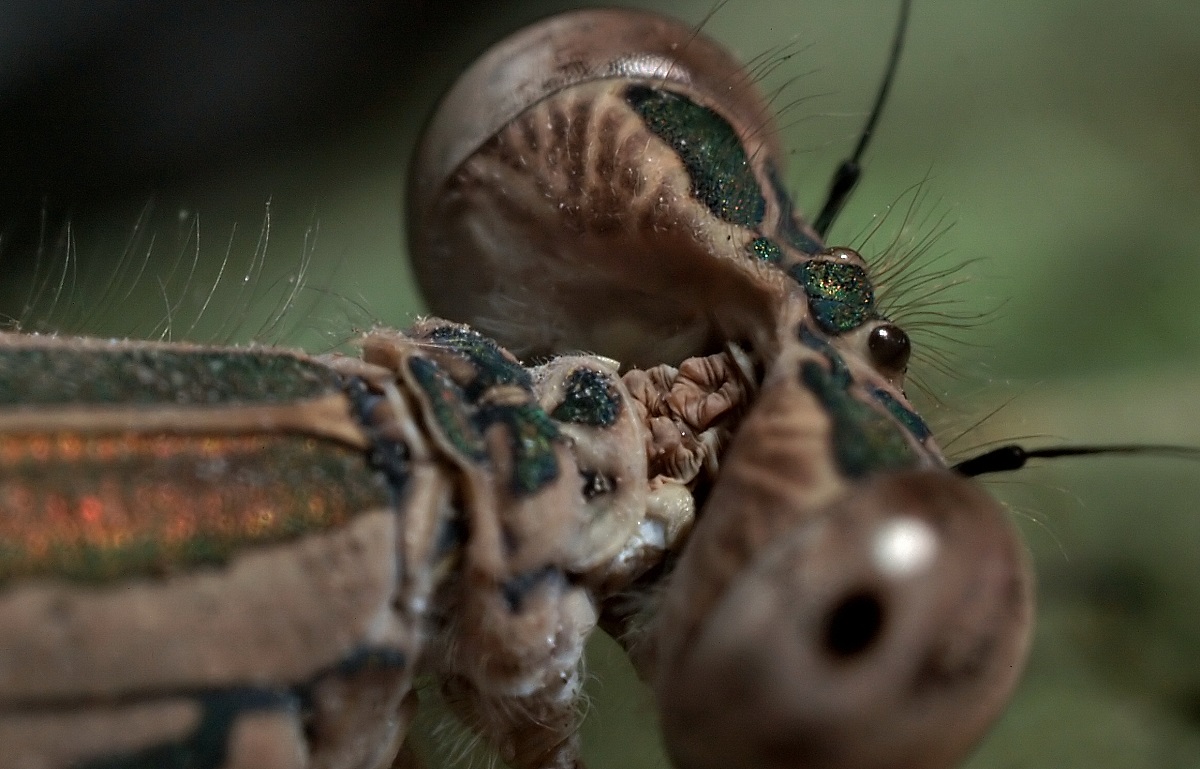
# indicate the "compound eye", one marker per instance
pixel 887 629
pixel 890 348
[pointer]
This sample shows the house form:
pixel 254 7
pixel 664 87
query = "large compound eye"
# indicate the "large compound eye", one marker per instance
pixel 569 152
pixel 886 630
pixel 890 349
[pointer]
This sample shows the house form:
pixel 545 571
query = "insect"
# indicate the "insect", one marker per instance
pixel 349 370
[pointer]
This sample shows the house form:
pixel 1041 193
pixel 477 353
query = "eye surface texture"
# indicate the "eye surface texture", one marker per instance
pixel 606 180
pixel 881 632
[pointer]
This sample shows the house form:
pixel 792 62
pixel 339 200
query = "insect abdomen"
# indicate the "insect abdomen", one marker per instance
pixel 199 560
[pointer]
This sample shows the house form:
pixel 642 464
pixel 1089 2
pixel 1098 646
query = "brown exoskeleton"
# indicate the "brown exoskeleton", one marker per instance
pixel 220 557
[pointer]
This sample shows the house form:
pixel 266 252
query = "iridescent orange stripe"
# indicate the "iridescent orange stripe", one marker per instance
pixel 98 507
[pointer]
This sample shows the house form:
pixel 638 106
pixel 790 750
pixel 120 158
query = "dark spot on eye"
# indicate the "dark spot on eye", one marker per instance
pixel 595 484
pixel 854 625
pixel 890 348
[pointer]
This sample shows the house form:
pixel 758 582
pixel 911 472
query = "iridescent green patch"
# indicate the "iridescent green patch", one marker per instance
pixel 766 250
pixel 820 344
pixel 591 399
pixel 448 403
pixel 60 375
pixel 904 415
pixel 864 440
pixel 715 159
pixel 532 435
pixel 840 294
pixel 495 368
pixel 863 437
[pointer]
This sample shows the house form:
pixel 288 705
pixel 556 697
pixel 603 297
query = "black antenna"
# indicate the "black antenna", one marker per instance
pixel 850 171
pixel 1013 457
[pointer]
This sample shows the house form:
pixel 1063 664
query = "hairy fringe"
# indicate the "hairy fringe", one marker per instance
pixel 183 286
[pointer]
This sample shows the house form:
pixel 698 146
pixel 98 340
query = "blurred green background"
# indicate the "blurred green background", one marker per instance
pixel 1062 142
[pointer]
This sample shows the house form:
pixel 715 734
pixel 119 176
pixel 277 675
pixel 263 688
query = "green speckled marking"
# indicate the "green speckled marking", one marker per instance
pixel 864 440
pixel 840 294
pixel 766 250
pixel 591 399
pixel 59 375
pixel 819 344
pixel 715 159
pixel 532 435
pixel 450 411
pixel 494 367
pixel 904 415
